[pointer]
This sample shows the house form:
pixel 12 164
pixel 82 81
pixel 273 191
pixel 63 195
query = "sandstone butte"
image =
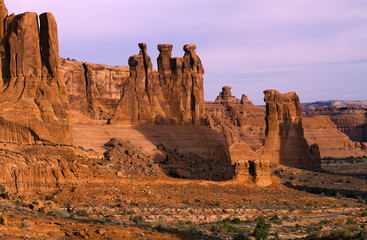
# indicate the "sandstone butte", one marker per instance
pixel 242 124
pixel 174 95
pixel 285 142
pixel 39 87
pixel 33 98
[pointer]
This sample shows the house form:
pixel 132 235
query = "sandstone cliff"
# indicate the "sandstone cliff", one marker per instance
pixel 285 142
pixel 243 127
pixel 93 89
pixel 350 120
pixel 173 95
pixel 33 99
pixel 332 142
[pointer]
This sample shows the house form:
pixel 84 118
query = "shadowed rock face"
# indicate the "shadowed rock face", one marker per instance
pixel 173 95
pixel 285 143
pixel 93 89
pixel 142 100
pixel 33 99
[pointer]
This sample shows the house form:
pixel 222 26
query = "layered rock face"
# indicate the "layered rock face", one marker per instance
pixel 256 171
pixel 332 142
pixel 285 142
pixel 93 89
pixel 33 99
pixel 349 120
pixel 238 120
pixel 174 95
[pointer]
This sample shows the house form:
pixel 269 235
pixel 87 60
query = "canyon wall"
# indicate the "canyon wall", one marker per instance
pixel 350 120
pixel 93 89
pixel 33 98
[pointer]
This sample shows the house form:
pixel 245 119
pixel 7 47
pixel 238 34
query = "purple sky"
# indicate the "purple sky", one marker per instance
pixel 316 48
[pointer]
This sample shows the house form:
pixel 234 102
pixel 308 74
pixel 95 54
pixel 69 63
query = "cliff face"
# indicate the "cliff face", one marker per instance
pixel 173 95
pixel 350 120
pixel 285 142
pixel 332 142
pixel 33 99
pixel 93 89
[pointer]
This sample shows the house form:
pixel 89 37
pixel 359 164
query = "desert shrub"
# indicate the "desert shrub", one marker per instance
pixel 58 213
pixel 324 222
pixel 2 188
pixel 261 230
pixel 26 224
pixel 181 222
pixel 160 227
pixel 137 219
pixel 345 233
pixel 196 231
pixel 275 217
pixel 364 214
pixel 49 197
pixel 82 213
pixel 189 222
pixel 236 221
pixel 241 236
pixel 276 236
pixel 285 216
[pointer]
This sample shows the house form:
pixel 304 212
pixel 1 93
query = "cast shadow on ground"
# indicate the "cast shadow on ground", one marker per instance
pixel 190 152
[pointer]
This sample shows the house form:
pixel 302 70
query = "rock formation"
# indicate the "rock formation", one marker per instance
pixel 257 171
pixel 349 120
pixel 225 96
pixel 238 120
pixel 285 143
pixel 142 101
pixel 332 142
pixel 93 89
pixel 174 95
pixel 33 99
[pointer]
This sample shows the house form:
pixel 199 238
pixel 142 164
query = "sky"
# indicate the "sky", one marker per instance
pixel 317 48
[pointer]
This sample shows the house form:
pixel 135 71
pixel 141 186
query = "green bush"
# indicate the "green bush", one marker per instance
pixel 49 197
pixel 160 228
pixel 236 221
pixel 261 230
pixel 137 219
pixel 241 236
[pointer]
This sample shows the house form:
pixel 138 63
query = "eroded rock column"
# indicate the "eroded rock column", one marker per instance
pixel 285 143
